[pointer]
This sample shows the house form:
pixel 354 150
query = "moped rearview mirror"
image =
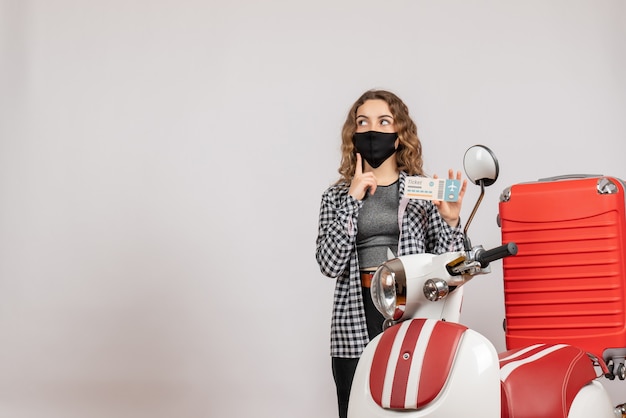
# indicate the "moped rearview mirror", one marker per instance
pixel 481 167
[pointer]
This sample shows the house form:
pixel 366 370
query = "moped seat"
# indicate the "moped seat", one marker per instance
pixel 541 381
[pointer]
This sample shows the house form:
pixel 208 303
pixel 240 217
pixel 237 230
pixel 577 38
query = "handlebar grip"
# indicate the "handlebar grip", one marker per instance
pixel 487 256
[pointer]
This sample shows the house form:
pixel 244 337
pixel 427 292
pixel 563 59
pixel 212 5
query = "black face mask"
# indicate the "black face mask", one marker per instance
pixel 375 147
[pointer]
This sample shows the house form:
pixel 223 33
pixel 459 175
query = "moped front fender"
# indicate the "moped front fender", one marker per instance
pixel 470 386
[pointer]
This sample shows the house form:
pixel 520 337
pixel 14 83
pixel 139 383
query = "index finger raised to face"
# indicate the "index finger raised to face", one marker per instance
pixel 359 165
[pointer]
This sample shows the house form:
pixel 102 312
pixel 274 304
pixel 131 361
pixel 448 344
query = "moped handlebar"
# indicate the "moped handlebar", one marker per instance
pixel 485 257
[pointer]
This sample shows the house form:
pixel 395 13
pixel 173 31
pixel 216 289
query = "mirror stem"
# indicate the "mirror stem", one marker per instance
pixel 468 244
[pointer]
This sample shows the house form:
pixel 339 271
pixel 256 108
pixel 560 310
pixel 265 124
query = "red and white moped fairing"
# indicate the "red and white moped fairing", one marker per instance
pixel 427 364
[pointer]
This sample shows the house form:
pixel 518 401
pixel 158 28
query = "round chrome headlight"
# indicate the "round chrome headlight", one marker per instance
pixel 384 291
pixel 388 289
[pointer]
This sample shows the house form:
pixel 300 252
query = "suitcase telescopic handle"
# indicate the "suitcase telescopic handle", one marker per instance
pixel 570 177
pixel 487 256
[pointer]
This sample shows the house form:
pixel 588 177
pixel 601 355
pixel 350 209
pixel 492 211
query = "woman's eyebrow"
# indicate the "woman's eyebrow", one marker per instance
pixel 379 117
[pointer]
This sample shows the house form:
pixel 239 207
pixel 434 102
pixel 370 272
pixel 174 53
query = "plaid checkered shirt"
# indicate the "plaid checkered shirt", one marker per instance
pixel 422 231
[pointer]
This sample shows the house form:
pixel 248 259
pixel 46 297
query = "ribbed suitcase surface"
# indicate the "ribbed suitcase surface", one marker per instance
pixel 567 282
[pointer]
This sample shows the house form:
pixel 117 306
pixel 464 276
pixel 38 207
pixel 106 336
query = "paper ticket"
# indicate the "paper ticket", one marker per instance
pixel 426 188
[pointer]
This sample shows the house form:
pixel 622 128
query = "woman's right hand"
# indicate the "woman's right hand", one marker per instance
pixel 362 183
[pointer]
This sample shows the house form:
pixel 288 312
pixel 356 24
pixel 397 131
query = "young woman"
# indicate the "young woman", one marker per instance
pixel 364 214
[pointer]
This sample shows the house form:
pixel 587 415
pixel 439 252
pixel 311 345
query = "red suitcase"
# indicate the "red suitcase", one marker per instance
pixel 567 284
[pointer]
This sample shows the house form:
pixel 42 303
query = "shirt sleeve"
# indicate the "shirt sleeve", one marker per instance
pixel 441 237
pixel 337 231
pixel 425 231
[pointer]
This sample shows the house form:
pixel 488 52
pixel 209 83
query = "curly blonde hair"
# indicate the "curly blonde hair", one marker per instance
pixel 409 154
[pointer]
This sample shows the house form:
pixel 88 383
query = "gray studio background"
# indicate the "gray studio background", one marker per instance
pixel 161 166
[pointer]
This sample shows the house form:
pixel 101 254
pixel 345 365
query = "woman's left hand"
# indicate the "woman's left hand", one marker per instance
pixel 451 211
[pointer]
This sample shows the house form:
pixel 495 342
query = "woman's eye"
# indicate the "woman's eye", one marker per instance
pixel 361 122
pixel 385 122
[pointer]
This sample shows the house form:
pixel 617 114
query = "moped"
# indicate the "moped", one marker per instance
pixel 427 364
